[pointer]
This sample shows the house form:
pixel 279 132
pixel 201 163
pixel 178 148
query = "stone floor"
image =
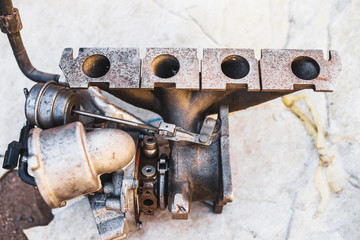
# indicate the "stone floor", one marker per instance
pixel 273 158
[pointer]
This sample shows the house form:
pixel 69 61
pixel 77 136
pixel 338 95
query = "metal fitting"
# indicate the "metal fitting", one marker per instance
pixel 11 24
pixel 148 171
pixel 150 148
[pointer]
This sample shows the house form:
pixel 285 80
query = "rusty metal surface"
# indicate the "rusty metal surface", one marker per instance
pixel 11 24
pixel 213 77
pixel 179 68
pixel 277 73
pixel 187 76
pixel 39 112
pixel 123 70
pixel 114 209
pixel 173 86
pixel 194 175
pixel 225 193
pixel 69 149
pixel 147 179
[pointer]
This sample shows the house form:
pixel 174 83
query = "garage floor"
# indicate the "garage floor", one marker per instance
pixel 273 157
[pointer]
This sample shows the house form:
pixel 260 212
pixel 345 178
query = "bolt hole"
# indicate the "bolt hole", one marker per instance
pixel 150 139
pixel 305 68
pixel 148 202
pixel 149 211
pixel 96 66
pixel 148 170
pixel 147 192
pixel 165 66
pixel 235 66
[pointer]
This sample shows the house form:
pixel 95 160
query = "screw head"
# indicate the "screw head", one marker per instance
pixel 203 138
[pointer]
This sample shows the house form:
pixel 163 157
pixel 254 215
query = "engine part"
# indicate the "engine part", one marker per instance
pixel 185 158
pixel 69 149
pixel 50 105
pixel 168 131
pixel 150 148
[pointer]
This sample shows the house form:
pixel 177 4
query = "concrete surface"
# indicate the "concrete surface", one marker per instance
pixel 273 158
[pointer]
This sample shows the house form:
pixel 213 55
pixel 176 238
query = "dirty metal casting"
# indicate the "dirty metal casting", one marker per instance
pixel 77 142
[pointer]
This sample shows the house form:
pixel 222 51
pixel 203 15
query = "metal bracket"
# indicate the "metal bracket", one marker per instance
pixel 173 133
pixel 162 167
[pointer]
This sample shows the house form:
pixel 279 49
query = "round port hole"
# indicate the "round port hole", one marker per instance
pixel 235 66
pixel 305 68
pixel 148 202
pixel 96 66
pixel 165 66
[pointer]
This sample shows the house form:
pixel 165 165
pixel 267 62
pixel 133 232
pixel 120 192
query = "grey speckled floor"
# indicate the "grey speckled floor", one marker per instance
pixel 273 157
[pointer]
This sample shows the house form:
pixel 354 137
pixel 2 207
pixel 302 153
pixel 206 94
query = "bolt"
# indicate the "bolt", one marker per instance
pixel 203 138
pixel 209 120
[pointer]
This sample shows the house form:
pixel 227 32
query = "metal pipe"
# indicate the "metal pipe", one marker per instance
pixel 6 7
pixel 117 120
pixel 10 18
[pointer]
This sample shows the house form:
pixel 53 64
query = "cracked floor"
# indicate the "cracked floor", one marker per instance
pixel 273 158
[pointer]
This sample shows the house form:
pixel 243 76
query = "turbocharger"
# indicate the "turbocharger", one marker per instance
pixel 77 142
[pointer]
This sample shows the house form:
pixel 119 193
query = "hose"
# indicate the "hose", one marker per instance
pixel 23 172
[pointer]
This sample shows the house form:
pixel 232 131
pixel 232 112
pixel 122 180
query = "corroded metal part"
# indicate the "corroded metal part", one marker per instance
pixel 149 146
pixel 225 193
pixel 222 69
pixel 228 68
pixel 114 210
pixel 173 86
pixel 289 70
pixel 197 173
pixel 69 149
pixel 148 176
pixel 93 96
pixel 50 105
pixel 110 223
pixel 11 23
pixel 170 67
pixel 112 67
